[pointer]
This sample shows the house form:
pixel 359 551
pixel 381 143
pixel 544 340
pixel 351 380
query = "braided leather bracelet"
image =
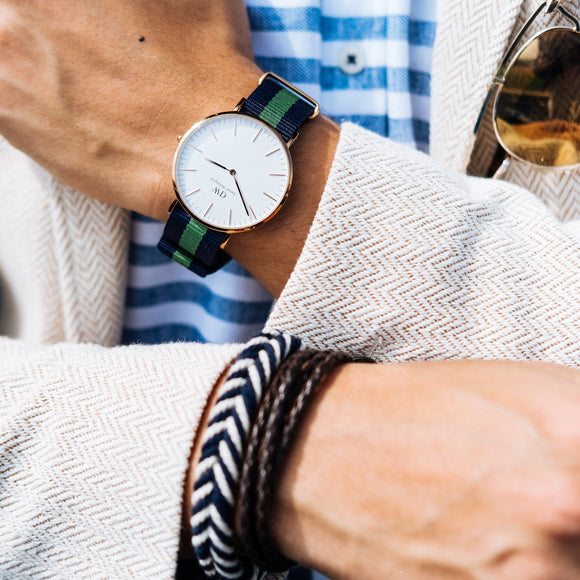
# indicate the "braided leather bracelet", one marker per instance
pixel 292 388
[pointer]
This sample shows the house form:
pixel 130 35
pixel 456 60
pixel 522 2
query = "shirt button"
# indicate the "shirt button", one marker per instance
pixel 351 60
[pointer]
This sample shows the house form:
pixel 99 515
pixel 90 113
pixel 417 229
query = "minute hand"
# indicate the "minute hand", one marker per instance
pixel 233 172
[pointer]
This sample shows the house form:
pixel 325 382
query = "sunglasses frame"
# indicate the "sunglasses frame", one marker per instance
pixel 548 7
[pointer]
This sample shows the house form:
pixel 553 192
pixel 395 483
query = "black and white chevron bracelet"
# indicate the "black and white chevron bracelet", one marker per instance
pixel 218 470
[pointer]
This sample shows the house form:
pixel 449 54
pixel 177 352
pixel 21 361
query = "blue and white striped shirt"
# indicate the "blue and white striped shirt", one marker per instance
pixel 365 61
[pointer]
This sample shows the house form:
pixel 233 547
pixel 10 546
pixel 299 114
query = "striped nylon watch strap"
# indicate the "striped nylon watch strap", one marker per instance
pixel 193 245
pixel 277 104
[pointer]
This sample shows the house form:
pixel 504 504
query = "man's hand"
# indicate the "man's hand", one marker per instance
pixel 454 470
pixel 98 91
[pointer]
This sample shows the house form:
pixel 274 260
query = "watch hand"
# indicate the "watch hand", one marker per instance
pixel 233 173
pixel 216 163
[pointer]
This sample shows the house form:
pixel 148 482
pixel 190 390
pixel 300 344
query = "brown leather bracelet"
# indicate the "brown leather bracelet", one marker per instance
pixel 281 410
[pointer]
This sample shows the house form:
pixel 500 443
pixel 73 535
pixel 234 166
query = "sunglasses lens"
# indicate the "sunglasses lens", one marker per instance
pixel 537 111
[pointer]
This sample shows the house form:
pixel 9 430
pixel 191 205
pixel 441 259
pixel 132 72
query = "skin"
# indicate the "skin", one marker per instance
pixel 71 72
pixel 457 470
pixel 470 470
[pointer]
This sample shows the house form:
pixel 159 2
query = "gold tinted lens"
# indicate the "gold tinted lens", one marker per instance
pixel 537 111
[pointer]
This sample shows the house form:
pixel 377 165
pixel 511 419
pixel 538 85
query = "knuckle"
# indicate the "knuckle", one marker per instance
pixel 557 513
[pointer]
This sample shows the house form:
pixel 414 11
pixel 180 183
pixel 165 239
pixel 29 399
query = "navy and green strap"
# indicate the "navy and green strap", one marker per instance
pixel 198 248
pixel 278 104
pixel 192 245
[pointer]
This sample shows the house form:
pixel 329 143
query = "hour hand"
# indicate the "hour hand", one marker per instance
pixel 216 163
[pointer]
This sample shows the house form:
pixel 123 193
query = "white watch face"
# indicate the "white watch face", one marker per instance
pixel 232 171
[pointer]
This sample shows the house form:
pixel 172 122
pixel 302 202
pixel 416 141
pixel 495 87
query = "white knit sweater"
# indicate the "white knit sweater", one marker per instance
pixel 407 259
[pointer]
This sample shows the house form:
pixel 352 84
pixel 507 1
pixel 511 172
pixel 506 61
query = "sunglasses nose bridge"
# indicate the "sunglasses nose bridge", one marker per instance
pixel 552 6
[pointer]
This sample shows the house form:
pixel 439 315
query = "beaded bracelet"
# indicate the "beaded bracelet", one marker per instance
pixel 218 470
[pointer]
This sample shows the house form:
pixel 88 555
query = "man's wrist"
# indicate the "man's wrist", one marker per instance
pixel 271 250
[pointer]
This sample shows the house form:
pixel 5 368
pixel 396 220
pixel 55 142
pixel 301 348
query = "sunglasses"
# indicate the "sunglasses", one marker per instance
pixel 536 95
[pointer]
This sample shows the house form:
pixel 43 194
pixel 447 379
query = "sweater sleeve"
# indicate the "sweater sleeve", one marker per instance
pixel 94 447
pixel 407 260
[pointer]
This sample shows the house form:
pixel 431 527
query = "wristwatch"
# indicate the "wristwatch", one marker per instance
pixel 232 172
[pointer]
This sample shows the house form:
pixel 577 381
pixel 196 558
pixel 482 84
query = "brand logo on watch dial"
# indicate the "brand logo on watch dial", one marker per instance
pixel 220 189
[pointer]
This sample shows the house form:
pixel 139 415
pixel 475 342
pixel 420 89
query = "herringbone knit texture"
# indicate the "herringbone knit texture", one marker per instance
pixel 422 263
pixel 94 446
pixel 63 258
pixel 406 260
pixel 471 37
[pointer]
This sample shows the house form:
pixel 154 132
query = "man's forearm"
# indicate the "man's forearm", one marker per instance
pixel 457 470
